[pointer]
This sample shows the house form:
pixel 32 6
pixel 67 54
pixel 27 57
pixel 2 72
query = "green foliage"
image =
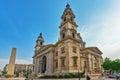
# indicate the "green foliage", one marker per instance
pixel 112 65
pixel 48 76
pixel 81 74
pixel 60 76
pixel 16 73
pixel 29 71
pixel 67 76
pixel 4 72
pixel 73 75
pixel 24 71
pixel 54 76
pixel 107 64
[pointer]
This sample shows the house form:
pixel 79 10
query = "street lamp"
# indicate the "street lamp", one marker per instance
pixel 78 75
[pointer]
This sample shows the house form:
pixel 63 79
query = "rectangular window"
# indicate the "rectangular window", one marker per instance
pixel 95 64
pixel 85 65
pixel 56 54
pixel 74 49
pixel 75 61
pixel 80 45
pixel 62 61
pixel 56 64
pixel 62 49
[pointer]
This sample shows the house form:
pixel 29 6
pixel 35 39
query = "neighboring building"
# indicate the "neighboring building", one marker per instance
pixel 0 72
pixel 30 66
pixel 69 54
pixel 20 67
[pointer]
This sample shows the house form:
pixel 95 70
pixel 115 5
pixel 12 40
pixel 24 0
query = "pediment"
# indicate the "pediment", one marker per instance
pixel 95 49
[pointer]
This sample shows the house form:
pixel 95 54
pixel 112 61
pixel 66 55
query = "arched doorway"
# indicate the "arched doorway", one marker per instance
pixel 43 68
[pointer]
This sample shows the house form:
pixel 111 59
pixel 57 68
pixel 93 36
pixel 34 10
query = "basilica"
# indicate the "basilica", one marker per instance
pixel 69 54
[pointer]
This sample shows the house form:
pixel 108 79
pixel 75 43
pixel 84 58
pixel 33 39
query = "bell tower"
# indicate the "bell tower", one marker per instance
pixel 39 42
pixel 68 27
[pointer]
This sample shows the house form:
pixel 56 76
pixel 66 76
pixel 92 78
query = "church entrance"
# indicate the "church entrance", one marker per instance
pixel 43 68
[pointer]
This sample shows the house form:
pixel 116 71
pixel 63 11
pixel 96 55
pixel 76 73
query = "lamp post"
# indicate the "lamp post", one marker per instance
pixel 78 75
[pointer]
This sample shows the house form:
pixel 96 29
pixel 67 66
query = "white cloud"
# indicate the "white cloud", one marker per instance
pixel 3 62
pixel 104 30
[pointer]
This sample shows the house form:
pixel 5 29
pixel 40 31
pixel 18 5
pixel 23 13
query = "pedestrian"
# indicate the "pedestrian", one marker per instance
pixel 87 77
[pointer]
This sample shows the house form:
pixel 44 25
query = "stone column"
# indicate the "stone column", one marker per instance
pixel 11 65
pixel 35 69
pixel 90 63
pixel 37 65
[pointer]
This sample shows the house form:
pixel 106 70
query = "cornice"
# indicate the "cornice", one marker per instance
pixel 69 37
pixel 41 50
pixel 67 22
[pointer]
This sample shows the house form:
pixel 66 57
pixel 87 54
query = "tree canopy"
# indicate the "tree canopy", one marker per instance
pixel 113 65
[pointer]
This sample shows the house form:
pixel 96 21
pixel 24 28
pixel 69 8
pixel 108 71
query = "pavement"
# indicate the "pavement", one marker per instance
pixel 12 78
pixel 102 78
pixel 94 78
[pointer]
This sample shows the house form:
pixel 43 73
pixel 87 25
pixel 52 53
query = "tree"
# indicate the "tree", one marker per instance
pixel 16 73
pixel 29 71
pixel 115 65
pixel 4 72
pixel 111 65
pixel 107 64
pixel 24 71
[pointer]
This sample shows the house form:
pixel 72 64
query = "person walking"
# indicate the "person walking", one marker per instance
pixel 87 77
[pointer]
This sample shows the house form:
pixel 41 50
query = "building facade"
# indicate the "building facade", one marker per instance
pixel 20 67
pixel 69 54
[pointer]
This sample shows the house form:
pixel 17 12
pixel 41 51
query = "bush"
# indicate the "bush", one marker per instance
pixel 49 76
pixel 35 75
pixel 67 76
pixel 60 76
pixel 70 75
pixel 54 76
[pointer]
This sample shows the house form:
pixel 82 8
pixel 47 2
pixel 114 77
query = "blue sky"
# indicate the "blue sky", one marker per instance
pixel 21 21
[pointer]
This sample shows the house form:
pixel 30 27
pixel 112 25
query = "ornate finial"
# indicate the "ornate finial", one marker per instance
pixel 40 37
pixel 67 5
pixel 40 34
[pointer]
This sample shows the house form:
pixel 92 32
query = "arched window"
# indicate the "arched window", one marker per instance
pixel 40 43
pixel 43 64
pixel 64 19
pixel 71 19
pixel 63 35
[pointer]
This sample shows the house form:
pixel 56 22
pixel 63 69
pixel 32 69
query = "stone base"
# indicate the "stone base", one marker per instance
pixel 9 76
pixel 12 79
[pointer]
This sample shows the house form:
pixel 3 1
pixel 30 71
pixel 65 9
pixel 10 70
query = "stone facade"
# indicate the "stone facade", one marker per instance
pixel 20 67
pixel 69 54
